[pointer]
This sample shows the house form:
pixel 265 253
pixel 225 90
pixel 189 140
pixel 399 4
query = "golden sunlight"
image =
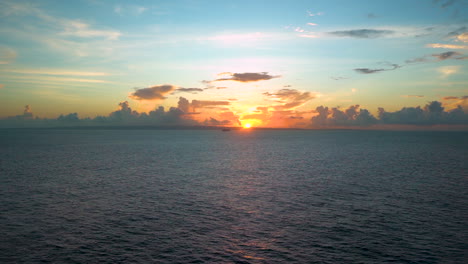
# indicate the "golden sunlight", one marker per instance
pixel 247 125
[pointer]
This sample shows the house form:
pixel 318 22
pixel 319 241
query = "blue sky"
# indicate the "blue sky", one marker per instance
pixel 87 56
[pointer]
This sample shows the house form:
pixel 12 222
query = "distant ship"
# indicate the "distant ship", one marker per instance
pixel 226 129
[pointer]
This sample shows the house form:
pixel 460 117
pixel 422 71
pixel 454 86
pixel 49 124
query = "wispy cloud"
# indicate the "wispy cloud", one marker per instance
pixel 63 26
pixel 189 90
pixel 446 46
pixel 412 96
pixel 246 77
pixel 311 14
pixel 289 98
pixel 83 30
pixel 7 55
pixel 446 71
pixel 445 3
pixel 53 79
pixel 55 72
pixel 130 10
pixel 363 33
pixel 370 71
pixel 449 55
pixel 207 103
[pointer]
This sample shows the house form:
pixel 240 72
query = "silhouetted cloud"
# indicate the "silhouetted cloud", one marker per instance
pixel 184 104
pixel 432 114
pixel 189 90
pixel 214 122
pixel 446 3
pixel 334 117
pixel 246 77
pixel 156 92
pixel 438 57
pixel 370 71
pixel 449 55
pixel 363 33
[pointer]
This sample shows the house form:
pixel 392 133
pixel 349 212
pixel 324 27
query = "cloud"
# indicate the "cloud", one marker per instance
pixel 453 111
pixel 438 57
pixel 66 27
pixel 312 24
pixel 370 71
pixel 338 78
pixel 308 36
pixel 363 33
pixel 156 92
pixel 214 122
pixel 425 59
pixel 246 77
pixel 189 90
pixel 462 37
pixel 298 29
pixel 449 55
pixel 201 104
pixel 446 71
pixel 129 10
pixel 309 13
pixel 432 114
pixel 454 102
pixel 83 30
pixel 7 55
pixel 454 97
pixel 412 95
pixel 55 72
pixel 334 117
pixel 446 46
pixel 446 3
pixel 289 98
pixel 459 31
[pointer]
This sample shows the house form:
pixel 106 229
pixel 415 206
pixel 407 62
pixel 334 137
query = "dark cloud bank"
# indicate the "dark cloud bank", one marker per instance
pixel 433 114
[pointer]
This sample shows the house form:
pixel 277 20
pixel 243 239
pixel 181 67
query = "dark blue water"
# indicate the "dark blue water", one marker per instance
pixel 193 196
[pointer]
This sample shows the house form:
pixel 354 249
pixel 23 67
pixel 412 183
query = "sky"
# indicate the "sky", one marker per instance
pixel 270 63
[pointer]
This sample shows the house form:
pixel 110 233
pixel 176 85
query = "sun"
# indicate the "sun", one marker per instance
pixel 247 125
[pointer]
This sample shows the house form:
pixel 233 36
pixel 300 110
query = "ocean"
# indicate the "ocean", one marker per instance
pixel 244 196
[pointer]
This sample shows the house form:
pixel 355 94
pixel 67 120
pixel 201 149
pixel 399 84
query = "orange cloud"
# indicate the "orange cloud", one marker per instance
pixel 446 46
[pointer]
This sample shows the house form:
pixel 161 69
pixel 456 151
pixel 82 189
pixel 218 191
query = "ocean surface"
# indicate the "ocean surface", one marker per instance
pixel 247 196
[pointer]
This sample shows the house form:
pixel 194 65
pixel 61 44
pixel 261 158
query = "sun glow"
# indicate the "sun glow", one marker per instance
pixel 247 125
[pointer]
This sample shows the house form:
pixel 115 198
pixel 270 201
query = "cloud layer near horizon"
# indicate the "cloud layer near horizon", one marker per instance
pixel 432 114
